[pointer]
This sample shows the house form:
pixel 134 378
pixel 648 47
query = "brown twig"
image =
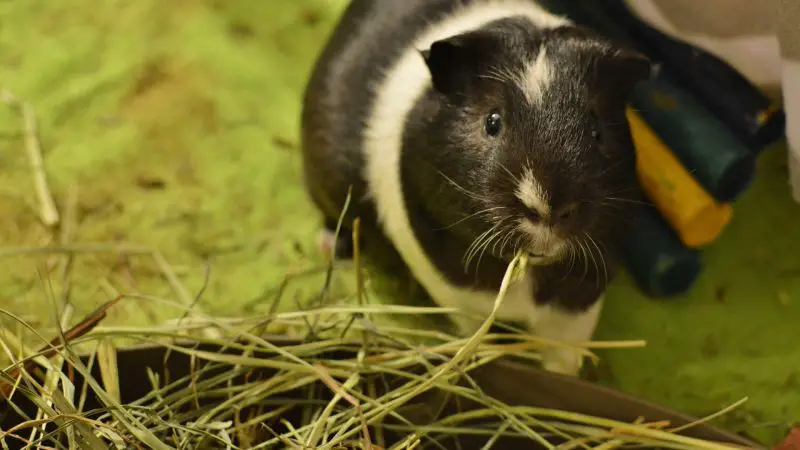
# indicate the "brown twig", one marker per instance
pixel 81 329
pixel 48 211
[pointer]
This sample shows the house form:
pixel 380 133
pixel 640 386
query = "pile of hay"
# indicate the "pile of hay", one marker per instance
pixel 349 380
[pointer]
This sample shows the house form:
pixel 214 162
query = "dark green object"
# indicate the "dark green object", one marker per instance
pixel 739 104
pixel 656 259
pixel 706 147
pixel 719 161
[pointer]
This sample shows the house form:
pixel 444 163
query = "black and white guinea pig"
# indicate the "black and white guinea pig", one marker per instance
pixel 469 130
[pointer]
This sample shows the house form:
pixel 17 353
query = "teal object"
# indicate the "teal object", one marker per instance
pixel 723 164
pixel 656 259
pixel 719 161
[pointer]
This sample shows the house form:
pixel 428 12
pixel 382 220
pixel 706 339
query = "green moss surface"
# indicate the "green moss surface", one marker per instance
pixel 173 125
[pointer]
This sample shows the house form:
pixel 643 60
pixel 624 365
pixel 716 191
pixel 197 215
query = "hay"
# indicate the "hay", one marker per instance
pixel 344 406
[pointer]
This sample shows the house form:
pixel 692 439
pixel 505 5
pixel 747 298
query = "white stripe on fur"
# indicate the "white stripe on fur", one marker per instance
pixel 531 194
pixel 537 77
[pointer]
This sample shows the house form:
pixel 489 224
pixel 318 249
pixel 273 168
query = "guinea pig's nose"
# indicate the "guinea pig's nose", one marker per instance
pixel 565 213
pixel 533 215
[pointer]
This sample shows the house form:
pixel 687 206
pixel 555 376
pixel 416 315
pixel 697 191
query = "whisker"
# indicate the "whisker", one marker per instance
pixel 484 211
pixel 602 259
pixel 610 168
pixel 572 255
pixel 462 189
pixel 594 262
pixel 488 242
pixel 492 77
pixel 469 253
pixel 635 188
pixel 518 243
pixel 476 246
pixel 502 73
pixel 585 261
pixel 602 256
pixel 504 243
pixel 513 177
pixel 627 200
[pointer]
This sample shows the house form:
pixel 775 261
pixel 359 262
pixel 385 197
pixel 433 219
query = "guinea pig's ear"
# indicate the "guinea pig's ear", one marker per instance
pixel 453 61
pixel 624 69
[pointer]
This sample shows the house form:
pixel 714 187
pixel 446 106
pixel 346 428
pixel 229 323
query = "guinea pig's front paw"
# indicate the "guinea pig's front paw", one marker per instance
pixel 327 243
pixel 565 361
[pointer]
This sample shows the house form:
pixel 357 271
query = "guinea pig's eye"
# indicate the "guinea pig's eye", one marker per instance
pixel 494 122
pixel 594 124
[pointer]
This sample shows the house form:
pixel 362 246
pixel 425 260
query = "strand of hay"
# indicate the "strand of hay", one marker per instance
pixel 48 211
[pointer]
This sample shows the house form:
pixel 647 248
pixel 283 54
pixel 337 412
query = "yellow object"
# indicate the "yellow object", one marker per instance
pixel 695 216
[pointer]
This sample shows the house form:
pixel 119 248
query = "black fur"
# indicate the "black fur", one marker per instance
pixel 442 150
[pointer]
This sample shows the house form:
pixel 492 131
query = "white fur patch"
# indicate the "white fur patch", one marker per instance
pixel 402 86
pixel 575 329
pixel 537 77
pixel 531 194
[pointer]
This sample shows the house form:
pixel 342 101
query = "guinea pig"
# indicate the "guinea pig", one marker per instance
pixel 465 131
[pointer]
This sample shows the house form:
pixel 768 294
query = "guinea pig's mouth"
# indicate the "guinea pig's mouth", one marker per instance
pixel 535 257
pixel 543 244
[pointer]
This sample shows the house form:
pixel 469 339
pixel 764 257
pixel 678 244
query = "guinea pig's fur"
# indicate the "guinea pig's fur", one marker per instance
pixel 468 130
